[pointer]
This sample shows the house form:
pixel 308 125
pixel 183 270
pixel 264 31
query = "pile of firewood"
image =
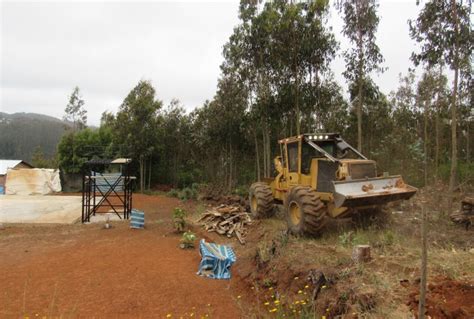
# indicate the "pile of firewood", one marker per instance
pixel 226 220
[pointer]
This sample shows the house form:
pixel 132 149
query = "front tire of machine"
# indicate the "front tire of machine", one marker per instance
pixel 306 213
pixel 261 200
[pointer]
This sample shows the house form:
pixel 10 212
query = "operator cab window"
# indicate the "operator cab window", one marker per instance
pixel 292 157
pixel 328 147
pixel 307 154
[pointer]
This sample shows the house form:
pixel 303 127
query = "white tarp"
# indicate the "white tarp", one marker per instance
pixel 32 181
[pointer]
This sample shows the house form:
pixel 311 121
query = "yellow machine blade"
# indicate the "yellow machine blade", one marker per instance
pixel 371 191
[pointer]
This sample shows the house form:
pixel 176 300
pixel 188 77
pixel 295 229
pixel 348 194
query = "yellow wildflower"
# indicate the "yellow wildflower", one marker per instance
pixel 323 287
pixel 306 287
pixel 238 297
pixel 271 288
pixel 276 302
pixel 273 310
pixel 300 292
pixel 266 303
pixel 297 302
pixel 168 315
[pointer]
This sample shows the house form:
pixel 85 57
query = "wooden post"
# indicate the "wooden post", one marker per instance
pixel 361 253
pixel 424 261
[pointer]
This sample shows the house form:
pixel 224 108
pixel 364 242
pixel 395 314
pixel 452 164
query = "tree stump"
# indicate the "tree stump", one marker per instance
pixel 361 253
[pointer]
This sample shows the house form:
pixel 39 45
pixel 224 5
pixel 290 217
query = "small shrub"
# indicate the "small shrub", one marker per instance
pixel 388 238
pixel 346 239
pixel 179 222
pixel 173 193
pixel 187 241
pixel 265 252
pixel 187 193
pixel 268 282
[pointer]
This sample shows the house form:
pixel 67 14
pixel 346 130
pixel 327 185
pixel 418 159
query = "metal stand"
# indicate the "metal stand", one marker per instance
pixel 112 192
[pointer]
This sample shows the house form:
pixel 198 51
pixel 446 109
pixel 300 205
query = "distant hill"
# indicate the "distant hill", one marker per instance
pixel 21 133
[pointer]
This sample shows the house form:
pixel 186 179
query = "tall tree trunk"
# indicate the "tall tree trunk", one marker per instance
pixel 437 143
pixel 360 46
pixel 264 149
pixel 297 103
pixel 144 173
pixel 425 144
pixel 257 156
pixel 438 111
pixel 424 262
pixel 229 187
pixel 149 175
pixel 141 174
pixel 269 153
pixel 454 159
pixel 468 143
pixel 359 117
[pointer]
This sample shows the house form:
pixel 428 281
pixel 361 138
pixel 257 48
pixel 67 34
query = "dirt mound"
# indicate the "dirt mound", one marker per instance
pixel 447 299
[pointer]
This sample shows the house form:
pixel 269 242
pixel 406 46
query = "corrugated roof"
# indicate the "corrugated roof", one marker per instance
pixel 6 164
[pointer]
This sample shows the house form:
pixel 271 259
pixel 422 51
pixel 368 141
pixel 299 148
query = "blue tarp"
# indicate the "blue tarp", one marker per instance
pixel 137 219
pixel 103 180
pixel 216 260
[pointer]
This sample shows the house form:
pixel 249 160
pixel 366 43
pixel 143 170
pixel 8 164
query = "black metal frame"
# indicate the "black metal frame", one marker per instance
pixel 93 197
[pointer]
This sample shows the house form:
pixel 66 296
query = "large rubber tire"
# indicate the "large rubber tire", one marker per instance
pixel 260 200
pixel 306 213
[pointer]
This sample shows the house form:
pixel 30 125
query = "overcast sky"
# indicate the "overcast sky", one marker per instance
pixel 105 48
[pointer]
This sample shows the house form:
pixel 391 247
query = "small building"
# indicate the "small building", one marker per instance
pixel 5 165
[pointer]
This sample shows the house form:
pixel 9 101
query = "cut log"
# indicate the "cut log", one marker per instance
pixel 361 253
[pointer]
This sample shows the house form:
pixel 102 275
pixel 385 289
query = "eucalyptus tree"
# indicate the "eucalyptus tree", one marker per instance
pixel 426 93
pixel 136 123
pixel 280 51
pixel 443 28
pixel 75 111
pixel 360 27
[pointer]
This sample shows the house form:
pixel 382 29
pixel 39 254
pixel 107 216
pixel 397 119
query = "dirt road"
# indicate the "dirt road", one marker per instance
pixel 86 271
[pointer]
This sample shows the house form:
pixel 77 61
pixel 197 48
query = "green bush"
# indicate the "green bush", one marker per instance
pixel 179 222
pixel 187 241
pixel 187 193
pixel 173 193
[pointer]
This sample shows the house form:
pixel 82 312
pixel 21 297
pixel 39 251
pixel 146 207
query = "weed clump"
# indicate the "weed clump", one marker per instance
pixel 179 222
pixel 187 240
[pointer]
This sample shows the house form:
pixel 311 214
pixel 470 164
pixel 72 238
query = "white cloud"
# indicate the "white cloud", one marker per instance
pixel 106 47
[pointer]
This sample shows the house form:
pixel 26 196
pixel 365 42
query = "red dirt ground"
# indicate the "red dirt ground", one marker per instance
pixel 447 299
pixel 89 272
